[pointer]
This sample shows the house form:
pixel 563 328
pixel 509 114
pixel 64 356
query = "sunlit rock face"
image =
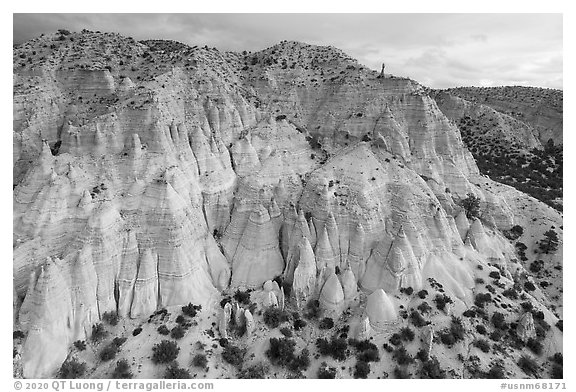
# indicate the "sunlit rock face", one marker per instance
pixel 171 185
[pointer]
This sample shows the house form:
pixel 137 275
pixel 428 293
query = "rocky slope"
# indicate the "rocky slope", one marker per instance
pixel 149 175
pixel 540 108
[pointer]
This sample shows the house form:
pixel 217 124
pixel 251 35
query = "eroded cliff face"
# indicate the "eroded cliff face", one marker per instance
pixel 175 175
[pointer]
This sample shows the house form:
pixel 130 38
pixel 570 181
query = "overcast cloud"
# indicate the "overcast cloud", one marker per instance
pixel 438 50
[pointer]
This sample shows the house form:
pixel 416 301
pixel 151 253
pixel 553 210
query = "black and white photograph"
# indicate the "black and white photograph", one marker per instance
pixel 209 196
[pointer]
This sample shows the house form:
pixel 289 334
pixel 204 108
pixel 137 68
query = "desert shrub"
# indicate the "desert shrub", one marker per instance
pixel 431 369
pixel 163 330
pixel 457 328
pixel 312 309
pixel 496 335
pixel 535 346
pixel 336 347
pixel 422 294
pixel 469 313
pixel 18 335
pixel 481 329
pixel 402 356
pixel 550 242
pixel 481 299
pixel 528 365
pixel 111 349
pixel 326 372
pixel 499 321
pixel 286 332
pixel 417 319
pixel 529 286
pixel 424 307
pixel 558 358
pixel 494 274
pixel 388 347
pixel 256 371
pixel 407 290
pixel 273 317
pixel 111 317
pixel 370 355
pixel 299 324
pixel 471 205
pixel 527 306
pixel 441 300
pixel 483 345
pixel 510 293
pixel 536 266
pixel 496 371
pixel 191 310
pixel 300 362
pixel 361 369
pixel 401 373
pixel 173 371
pixel 557 371
pixel 137 331
pixel 80 345
pixel 395 339
pixel 122 370
pixel 243 297
pixel 233 355
pixel 177 332
pixel 560 325
pixel 200 361
pixel 181 320
pixel 72 368
pixel 407 334
pixel 98 332
pixel 326 323
pixel 281 351
pixel 164 352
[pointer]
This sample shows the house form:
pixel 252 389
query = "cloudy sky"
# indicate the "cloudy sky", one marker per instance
pixel 438 50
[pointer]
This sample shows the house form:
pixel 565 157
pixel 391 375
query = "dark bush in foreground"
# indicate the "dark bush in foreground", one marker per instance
pixel 402 356
pixel 401 373
pixel 257 371
pixel 200 361
pixel 176 372
pixel 496 372
pixel 164 352
pixel 407 334
pixel 557 371
pixel 528 365
pixel 441 300
pixel 273 317
pixel 286 332
pixel 111 317
pixel 109 352
pixel 163 330
pixel 72 368
pixel 312 309
pixel 98 332
pixel 499 321
pixel 299 324
pixel 417 319
pixel 326 323
pixel 233 355
pixel 122 370
pixel 243 297
pixel 80 345
pixel 483 345
pixel 326 372
pixel 336 348
pixel 535 346
pixel 281 351
pixel 191 310
pixel 361 370
pixel 177 332
pixel 431 369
